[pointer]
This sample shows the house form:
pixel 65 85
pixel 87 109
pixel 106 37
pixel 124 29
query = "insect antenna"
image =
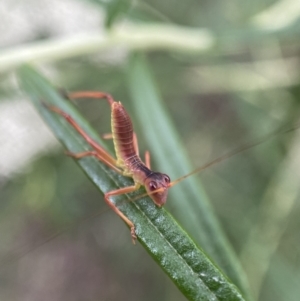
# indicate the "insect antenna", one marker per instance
pixel 237 150
pixel 221 158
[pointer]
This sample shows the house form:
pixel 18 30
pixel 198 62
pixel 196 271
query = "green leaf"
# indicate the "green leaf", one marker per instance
pixel 183 261
pixel 188 197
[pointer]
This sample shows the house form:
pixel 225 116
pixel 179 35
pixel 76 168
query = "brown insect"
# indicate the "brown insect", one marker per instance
pixel 127 161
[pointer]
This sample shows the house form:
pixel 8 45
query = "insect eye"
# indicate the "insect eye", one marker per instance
pixel 167 179
pixel 152 186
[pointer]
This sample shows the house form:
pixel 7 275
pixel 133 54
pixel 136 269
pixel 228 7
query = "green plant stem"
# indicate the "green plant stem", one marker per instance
pixel 129 37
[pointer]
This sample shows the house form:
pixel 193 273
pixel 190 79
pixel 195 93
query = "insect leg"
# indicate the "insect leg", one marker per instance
pixel 108 97
pixel 91 94
pixel 102 154
pixel 135 144
pixel 93 154
pixel 107 136
pixel 136 148
pixel 116 210
pixel 147 159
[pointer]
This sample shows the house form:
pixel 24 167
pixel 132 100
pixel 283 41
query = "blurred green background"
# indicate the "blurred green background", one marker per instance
pixel 242 84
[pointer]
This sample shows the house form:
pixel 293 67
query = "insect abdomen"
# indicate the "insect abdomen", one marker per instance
pixel 122 132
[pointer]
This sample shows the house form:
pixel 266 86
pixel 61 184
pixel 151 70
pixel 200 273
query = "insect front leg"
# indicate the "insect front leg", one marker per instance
pixel 117 211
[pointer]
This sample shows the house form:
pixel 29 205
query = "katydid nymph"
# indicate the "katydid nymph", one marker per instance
pixel 127 161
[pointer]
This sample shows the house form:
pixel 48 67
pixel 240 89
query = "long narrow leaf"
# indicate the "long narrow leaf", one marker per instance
pixel 188 267
pixel 167 149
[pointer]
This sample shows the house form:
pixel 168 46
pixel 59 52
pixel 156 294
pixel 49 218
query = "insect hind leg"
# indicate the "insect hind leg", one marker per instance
pixel 90 94
pixel 100 153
